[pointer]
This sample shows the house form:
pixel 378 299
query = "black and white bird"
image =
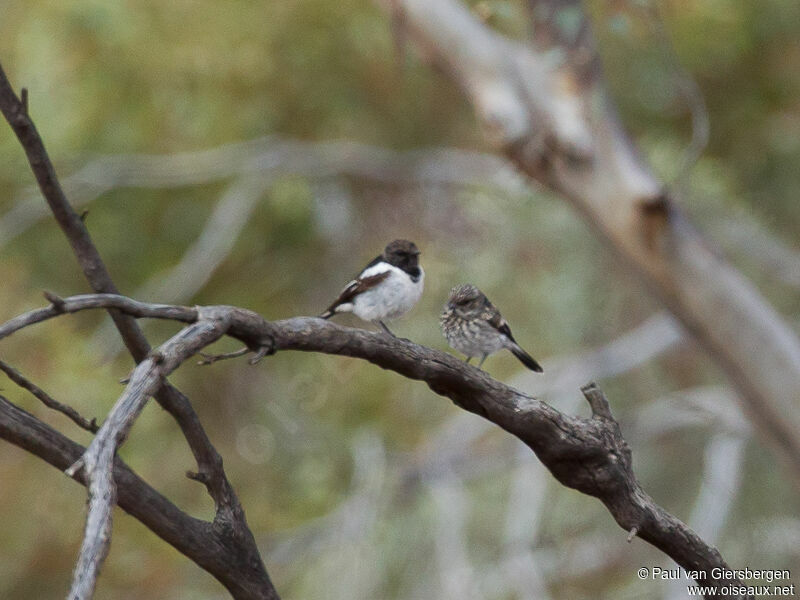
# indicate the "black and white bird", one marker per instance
pixel 388 287
pixel 474 327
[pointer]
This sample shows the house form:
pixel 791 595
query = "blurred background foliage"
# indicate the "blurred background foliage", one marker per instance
pixel 358 483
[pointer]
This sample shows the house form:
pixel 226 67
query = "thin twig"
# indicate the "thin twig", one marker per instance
pixel 210 359
pixel 132 308
pixel 47 399
pixel 597 401
pixel 632 534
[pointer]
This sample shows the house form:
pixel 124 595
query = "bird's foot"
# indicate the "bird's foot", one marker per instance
pixel 386 329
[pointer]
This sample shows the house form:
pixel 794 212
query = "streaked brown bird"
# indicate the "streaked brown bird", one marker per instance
pixel 474 327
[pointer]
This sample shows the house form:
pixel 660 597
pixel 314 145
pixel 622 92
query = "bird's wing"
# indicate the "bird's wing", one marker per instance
pixel 496 320
pixel 358 286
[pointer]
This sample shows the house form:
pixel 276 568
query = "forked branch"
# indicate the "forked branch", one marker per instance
pixel 247 575
pixel 587 454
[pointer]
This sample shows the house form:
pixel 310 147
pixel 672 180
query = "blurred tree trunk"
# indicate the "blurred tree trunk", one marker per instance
pixel 544 105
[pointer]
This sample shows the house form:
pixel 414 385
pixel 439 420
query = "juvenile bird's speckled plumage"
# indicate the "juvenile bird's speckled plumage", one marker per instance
pixel 473 326
pixel 388 287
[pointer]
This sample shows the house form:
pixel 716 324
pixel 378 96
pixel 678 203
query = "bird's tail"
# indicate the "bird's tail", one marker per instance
pixel 327 314
pixel 526 359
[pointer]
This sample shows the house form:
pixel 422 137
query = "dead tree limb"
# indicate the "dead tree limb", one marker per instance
pixel 589 455
pixel 545 107
pixel 199 540
pixel 98 460
pixel 230 516
pixel 538 113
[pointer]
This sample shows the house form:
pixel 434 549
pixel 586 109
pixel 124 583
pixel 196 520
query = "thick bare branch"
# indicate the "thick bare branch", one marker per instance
pixel 589 455
pixel 207 326
pixel 550 115
pixel 199 540
pixel 98 460
pixel 230 515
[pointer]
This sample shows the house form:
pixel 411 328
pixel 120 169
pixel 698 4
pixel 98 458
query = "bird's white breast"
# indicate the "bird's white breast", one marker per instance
pixel 392 297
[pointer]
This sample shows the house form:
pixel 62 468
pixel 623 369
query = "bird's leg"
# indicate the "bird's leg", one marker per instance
pixel 466 360
pixel 385 328
pixel 483 358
